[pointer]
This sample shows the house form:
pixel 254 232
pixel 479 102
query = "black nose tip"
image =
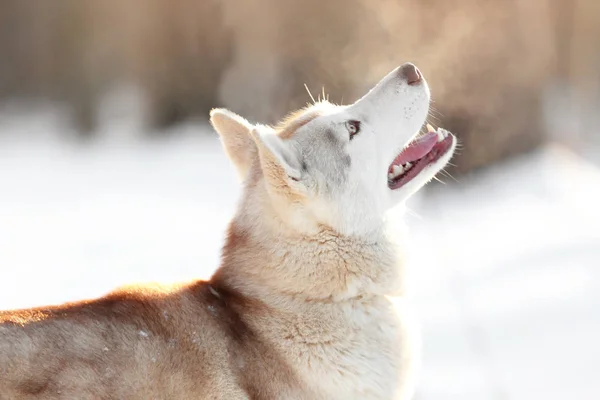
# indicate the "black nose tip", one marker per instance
pixel 411 73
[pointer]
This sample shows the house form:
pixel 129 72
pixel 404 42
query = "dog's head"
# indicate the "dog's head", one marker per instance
pixel 342 167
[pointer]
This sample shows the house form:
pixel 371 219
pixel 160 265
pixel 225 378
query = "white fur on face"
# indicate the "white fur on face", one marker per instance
pixel 352 194
pixel 343 181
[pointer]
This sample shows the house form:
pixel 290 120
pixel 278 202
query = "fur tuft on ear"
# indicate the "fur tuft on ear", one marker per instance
pixel 280 163
pixel 236 139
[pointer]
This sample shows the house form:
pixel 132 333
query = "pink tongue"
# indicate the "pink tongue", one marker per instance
pixel 417 149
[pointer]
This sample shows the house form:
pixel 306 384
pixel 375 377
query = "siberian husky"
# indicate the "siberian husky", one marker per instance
pixel 302 305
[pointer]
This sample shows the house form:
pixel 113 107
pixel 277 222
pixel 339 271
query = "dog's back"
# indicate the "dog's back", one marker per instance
pixel 191 342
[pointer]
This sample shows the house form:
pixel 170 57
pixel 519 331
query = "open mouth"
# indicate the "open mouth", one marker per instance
pixel 420 153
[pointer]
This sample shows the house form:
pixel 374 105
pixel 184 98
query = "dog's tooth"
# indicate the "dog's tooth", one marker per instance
pixel 440 135
pixel 397 170
pixel 407 165
pixel 391 176
pixel 430 128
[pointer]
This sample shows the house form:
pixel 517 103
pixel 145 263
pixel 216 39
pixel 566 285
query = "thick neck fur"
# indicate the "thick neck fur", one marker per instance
pixel 265 258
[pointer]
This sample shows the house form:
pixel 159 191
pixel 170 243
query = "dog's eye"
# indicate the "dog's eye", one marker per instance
pixel 353 128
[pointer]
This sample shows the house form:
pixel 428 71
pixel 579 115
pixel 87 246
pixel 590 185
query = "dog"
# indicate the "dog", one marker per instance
pixel 307 302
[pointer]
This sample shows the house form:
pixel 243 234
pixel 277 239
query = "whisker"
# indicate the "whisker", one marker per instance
pixel 309 93
pixel 450 175
pixel 439 180
pixel 434 118
pixel 325 96
pixel 435 110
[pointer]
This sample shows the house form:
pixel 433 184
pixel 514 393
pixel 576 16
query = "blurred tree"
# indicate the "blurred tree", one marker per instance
pixel 184 59
pixel 489 63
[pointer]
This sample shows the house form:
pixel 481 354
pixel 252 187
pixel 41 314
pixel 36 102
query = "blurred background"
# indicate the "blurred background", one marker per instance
pixel 109 172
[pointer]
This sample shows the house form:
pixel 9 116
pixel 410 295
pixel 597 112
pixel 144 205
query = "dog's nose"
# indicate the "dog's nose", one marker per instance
pixel 411 73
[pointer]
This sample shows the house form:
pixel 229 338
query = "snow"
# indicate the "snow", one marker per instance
pixel 505 264
pixel 511 310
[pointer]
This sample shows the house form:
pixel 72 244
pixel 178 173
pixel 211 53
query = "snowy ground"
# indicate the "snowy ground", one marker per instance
pixel 506 264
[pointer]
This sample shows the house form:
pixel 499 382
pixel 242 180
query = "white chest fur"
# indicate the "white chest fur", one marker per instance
pixel 361 349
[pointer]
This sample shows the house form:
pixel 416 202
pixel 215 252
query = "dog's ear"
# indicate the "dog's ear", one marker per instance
pixel 280 161
pixel 235 133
